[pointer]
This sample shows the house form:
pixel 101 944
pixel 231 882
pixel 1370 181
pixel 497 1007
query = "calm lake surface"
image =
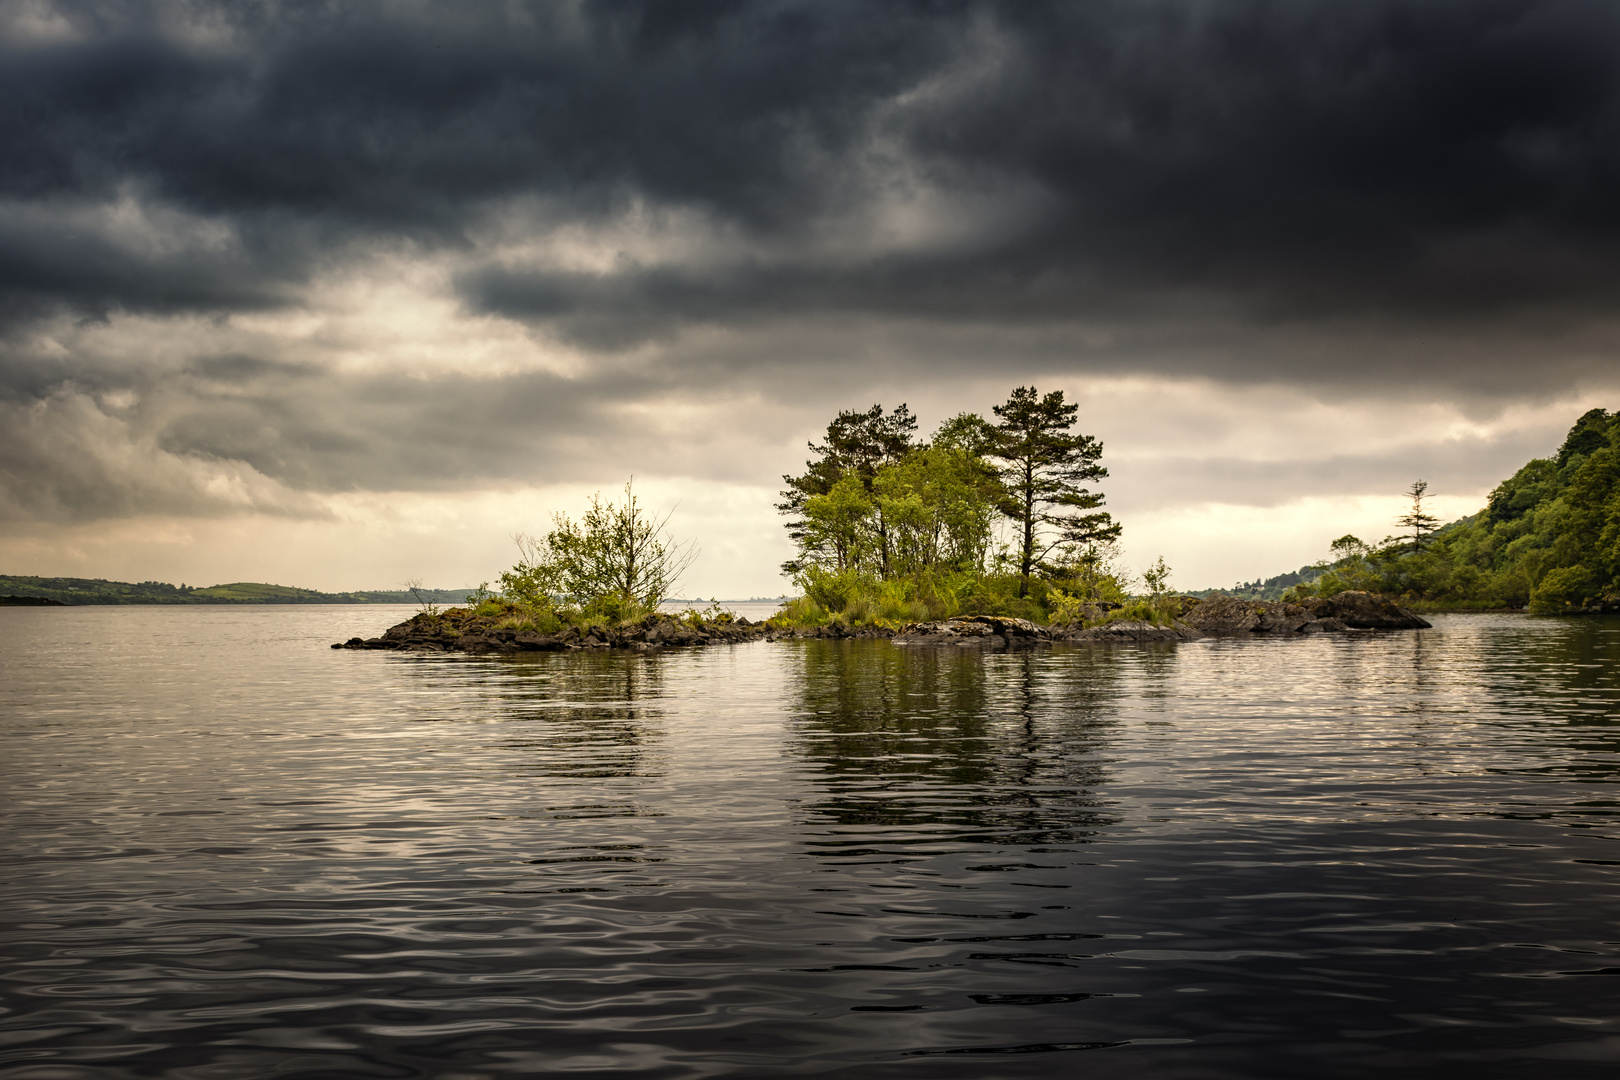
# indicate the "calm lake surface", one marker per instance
pixel 230 851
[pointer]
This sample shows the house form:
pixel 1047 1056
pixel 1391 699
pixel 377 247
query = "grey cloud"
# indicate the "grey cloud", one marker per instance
pixel 233 434
pixel 1466 465
pixel 1301 157
pixel 1380 198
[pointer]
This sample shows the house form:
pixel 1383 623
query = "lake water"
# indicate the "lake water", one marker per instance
pixel 230 851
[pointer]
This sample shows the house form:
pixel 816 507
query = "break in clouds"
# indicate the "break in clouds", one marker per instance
pixel 257 256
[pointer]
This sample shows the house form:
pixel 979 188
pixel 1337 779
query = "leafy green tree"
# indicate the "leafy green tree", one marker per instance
pixel 1094 572
pixel 1589 435
pixel 1348 548
pixel 1157 578
pixel 1045 469
pixel 968 432
pixel 858 443
pixel 1588 551
pixel 837 528
pixel 1523 491
pixel 539 575
pixel 939 504
pixel 616 558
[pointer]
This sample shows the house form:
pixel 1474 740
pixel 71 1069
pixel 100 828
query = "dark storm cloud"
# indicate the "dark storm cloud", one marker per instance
pixel 1299 156
pixel 1209 184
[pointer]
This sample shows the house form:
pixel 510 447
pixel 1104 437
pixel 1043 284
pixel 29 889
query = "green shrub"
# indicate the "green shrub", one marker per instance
pixel 1561 589
pixel 832 590
pixel 1142 609
pixel 801 611
pixel 1067 609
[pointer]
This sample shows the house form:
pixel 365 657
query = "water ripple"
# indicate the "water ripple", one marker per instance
pixel 230 851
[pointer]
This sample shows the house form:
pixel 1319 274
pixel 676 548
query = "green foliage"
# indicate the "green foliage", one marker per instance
pixel 833 589
pixel 891 529
pixel 928 512
pixel 1068 609
pixel 840 527
pixel 801 611
pixel 858 445
pixel 619 553
pixel 1548 539
pixel 1142 609
pixel 1157 578
pixel 1045 468
pixel 617 563
pixel 939 502
pixel 713 615
pixel 855 599
pixel 716 614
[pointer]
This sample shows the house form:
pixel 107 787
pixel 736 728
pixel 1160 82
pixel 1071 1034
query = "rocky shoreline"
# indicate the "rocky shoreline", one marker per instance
pixel 1316 615
pixel 459 630
pixel 1218 616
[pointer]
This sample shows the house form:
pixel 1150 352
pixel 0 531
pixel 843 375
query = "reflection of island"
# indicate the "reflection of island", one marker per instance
pixel 593 717
pixel 958 746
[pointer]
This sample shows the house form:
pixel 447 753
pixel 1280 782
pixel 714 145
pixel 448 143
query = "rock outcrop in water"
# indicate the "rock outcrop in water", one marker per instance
pixel 1127 632
pixel 1365 611
pixel 1003 632
pixel 1317 615
pixel 974 631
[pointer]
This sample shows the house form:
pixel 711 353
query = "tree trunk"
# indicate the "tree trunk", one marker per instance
pixel 1025 564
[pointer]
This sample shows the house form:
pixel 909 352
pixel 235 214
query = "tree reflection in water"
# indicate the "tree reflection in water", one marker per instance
pixel 587 732
pixel 929 746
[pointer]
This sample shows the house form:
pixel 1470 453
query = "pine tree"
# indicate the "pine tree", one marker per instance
pixel 1045 466
pixel 1420 522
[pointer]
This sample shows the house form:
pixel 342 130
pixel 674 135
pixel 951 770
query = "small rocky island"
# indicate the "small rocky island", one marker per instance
pixel 461 630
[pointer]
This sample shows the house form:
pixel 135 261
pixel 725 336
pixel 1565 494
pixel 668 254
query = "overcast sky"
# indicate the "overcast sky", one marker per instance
pixel 340 294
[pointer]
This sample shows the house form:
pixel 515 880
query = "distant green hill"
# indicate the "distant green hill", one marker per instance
pixel 1548 539
pixel 1272 588
pixel 99 591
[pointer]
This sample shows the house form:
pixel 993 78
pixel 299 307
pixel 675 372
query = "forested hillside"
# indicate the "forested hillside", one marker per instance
pixel 1548 539
pixel 70 590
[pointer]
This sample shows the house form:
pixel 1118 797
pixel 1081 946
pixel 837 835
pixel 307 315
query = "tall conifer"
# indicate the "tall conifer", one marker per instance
pixel 1045 469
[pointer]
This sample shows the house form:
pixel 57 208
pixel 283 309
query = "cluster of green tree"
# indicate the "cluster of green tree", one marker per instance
pixel 69 590
pixel 982 517
pixel 1548 539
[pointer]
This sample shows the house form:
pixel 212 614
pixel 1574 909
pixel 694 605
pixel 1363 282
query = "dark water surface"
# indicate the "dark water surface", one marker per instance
pixel 229 851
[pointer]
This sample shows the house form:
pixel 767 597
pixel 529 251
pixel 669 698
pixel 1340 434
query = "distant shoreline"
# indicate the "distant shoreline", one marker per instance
pixel 83 592
pixel 27 591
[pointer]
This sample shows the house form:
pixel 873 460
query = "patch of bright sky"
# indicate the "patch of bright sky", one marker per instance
pixel 1216 545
